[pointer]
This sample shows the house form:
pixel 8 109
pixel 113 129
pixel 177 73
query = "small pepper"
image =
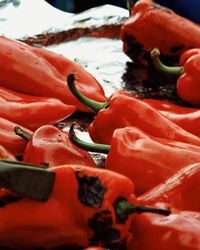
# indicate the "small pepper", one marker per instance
pixel 188 87
pixel 5 154
pixel 145 159
pixel 49 146
pixel 186 117
pixel 39 72
pixel 178 231
pixel 151 25
pixel 181 191
pixel 32 111
pixel 87 206
pixel 9 139
pixel 122 110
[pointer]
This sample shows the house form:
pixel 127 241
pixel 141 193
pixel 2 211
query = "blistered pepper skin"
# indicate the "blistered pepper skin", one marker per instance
pixel 38 72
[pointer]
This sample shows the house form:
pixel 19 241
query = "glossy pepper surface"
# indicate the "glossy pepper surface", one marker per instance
pixel 122 110
pixel 9 139
pixel 49 146
pixel 188 87
pixel 174 34
pixel 5 154
pixel 178 231
pixel 186 117
pixel 86 206
pixel 181 191
pixel 43 73
pixel 145 159
pixel 32 111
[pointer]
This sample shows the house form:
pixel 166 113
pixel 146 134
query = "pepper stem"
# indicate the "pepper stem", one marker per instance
pixel 22 133
pixel 123 209
pixel 155 53
pixel 91 104
pixel 92 147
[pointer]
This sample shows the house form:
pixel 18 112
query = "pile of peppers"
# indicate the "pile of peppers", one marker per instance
pixel 53 194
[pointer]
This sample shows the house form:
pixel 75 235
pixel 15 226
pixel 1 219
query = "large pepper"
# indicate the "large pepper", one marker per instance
pixel 186 117
pixel 9 139
pixel 188 86
pixel 84 206
pixel 32 111
pixel 145 159
pixel 38 72
pixel 49 146
pixel 122 110
pixel 178 231
pixel 181 191
pixel 152 25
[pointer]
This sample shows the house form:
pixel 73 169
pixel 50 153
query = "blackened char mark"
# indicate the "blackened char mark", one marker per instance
pixel 91 191
pixel 9 198
pixel 104 233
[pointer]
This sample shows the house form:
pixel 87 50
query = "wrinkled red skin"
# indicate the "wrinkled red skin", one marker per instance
pixel 5 154
pixel 148 160
pixel 178 231
pixel 188 84
pixel 9 139
pixel 32 111
pixel 125 110
pixel 40 72
pixel 52 147
pixel 174 33
pixel 181 191
pixel 185 117
pixel 63 219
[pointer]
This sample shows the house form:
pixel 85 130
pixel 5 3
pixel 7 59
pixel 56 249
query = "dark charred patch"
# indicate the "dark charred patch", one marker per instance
pixel 9 198
pixel 104 233
pixel 91 191
pixel 177 48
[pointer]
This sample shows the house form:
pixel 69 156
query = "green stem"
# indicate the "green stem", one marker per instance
pixel 92 147
pixel 130 4
pixel 91 104
pixel 155 53
pixel 123 209
pixel 27 180
pixel 22 133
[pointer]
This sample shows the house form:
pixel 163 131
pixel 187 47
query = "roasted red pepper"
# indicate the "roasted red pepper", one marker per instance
pixel 152 25
pixel 145 159
pixel 32 111
pixel 186 117
pixel 43 73
pixel 181 191
pixel 123 110
pixel 188 87
pixel 179 231
pixel 86 206
pixel 5 154
pixel 49 146
pixel 9 139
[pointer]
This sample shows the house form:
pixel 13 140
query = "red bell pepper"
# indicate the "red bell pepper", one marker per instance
pixel 145 159
pixel 9 139
pixel 43 73
pixel 181 191
pixel 151 25
pixel 186 117
pixel 179 231
pixel 188 87
pixel 122 110
pixel 32 111
pixel 86 206
pixel 49 146
pixel 5 154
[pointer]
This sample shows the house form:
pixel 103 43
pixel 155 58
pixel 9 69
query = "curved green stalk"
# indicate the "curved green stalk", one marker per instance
pixel 22 133
pixel 92 147
pixel 155 53
pixel 91 104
